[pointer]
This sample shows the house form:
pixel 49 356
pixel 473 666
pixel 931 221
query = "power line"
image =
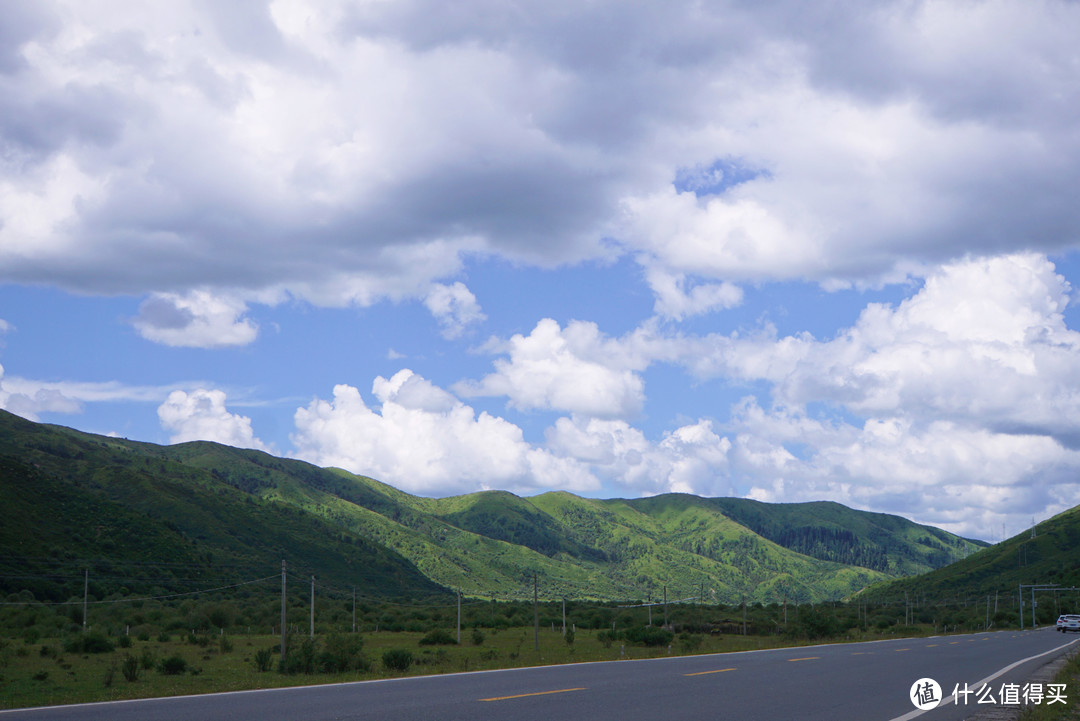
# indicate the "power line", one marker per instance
pixel 132 600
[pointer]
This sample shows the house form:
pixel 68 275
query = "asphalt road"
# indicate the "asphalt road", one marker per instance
pixel 845 682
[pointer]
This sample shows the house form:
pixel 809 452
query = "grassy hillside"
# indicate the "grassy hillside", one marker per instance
pixel 831 531
pixel 1049 558
pixel 204 503
pixel 159 524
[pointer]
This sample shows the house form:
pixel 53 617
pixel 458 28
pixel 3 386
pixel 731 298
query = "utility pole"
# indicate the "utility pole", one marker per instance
pixel 459 617
pixel 283 613
pixel 313 606
pixel 536 614
pixel 85 592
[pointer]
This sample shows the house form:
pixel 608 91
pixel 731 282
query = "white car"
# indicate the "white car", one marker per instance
pixel 1068 622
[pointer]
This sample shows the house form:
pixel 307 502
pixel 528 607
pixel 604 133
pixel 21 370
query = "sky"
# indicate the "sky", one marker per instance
pixel 779 250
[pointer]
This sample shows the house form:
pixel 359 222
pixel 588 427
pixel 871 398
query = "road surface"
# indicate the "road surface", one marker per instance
pixel 842 682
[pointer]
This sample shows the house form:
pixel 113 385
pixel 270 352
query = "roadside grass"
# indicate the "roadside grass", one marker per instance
pixel 43 674
pixel 1070 676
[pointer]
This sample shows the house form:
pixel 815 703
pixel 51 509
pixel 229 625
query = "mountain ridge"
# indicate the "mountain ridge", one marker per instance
pixel 489 543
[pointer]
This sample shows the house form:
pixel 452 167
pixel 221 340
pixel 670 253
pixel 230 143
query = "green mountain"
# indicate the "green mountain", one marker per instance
pixel 1047 556
pixel 158 525
pixel 212 507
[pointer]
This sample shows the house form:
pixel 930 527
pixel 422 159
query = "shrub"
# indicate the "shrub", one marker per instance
pixel 225 645
pixel 164 637
pixel 147 660
pixel 649 636
pixel 124 642
pixel 397 659
pixel 197 640
pixel 300 657
pixel 438 637
pixel 606 638
pixel 343 653
pixel 92 642
pixel 173 665
pixel 569 637
pixel 477 637
pixel 818 623
pixel 130 667
pixel 691 641
pixel 263 659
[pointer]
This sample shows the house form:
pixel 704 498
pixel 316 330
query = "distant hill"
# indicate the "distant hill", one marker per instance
pixel 80 496
pixel 153 524
pixel 1050 557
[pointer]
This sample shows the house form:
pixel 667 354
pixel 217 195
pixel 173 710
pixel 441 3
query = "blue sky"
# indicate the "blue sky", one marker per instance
pixel 758 249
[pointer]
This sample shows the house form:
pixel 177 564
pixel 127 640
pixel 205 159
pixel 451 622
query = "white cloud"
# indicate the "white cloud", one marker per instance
pixel 202 416
pixel 967 480
pixel 455 307
pixel 966 392
pixel 676 298
pixel 574 369
pixel 363 152
pixel 196 319
pixel 424 440
pixel 690 459
pixel 30 403
pixel 983 343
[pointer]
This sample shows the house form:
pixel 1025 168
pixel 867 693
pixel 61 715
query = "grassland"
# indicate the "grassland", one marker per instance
pixel 42 673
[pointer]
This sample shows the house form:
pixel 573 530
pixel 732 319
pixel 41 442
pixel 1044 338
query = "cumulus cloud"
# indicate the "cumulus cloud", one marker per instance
pixel 363 152
pixel 690 459
pixel 195 319
pixel 963 396
pixel 983 342
pixel 574 369
pixel 968 480
pixel 454 307
pixel 32 402
pixel 676 298
pixel 201 415
pixel 424 440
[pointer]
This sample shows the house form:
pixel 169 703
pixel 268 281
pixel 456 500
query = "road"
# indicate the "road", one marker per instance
pixel 844 682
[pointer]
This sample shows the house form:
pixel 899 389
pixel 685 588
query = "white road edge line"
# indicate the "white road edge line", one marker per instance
pixel 978 684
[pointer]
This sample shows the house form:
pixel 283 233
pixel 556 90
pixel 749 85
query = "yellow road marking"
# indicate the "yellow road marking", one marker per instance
pixel 931 645
pixel 702 673
pixel 902 649
pixel 537 693
pixel 953 643
pixel 808 658
pixel 862 653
